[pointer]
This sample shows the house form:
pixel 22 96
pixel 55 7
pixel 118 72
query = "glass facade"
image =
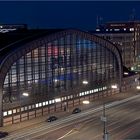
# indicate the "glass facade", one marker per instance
pixel 58 66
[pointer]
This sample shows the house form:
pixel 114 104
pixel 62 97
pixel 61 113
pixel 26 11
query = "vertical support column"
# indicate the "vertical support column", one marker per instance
pixel 1 108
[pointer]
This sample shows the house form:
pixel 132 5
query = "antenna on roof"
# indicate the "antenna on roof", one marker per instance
pixel 132 16
pixel 99 20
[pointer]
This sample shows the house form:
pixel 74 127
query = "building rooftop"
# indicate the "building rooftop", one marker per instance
pixel 104 31
pixel 12 40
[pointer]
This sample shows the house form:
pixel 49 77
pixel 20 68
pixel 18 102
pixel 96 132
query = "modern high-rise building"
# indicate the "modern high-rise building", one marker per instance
pixel 126 35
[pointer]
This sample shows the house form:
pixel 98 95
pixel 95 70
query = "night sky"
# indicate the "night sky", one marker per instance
pixel 66 14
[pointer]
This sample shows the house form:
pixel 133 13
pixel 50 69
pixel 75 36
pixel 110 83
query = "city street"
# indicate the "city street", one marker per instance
pixel 122 122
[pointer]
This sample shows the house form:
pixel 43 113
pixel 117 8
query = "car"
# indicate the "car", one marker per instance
pixel 52 118
pixel 76 110
pixel 3 134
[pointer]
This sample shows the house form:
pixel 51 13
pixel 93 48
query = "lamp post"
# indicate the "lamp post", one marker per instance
pixel 138 87
pixel 104 119
pixel 85 82
pixel 25 94
pixel 86 102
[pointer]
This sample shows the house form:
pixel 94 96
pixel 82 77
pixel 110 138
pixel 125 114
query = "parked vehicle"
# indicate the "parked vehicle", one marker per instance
pixel 76 110
pixel 3 134
pixel 51 118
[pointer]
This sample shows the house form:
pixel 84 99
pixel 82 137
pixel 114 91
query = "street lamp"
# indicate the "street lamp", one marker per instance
pixel 86 102
pixel 114 86
pixel 85 82
pixel 138 87
pixel 25 94
pixel 104 119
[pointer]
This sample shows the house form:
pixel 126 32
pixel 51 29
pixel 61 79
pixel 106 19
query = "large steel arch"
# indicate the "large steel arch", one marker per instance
pixel 25 48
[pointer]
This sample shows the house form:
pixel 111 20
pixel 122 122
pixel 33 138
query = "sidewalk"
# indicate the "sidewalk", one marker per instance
pixel 40 120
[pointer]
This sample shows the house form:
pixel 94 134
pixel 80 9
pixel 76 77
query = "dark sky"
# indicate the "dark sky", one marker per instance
pixel 64 14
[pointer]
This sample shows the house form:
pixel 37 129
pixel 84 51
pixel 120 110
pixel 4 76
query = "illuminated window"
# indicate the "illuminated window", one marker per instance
pixel 40 104
pixel 5 113
pixel 46 102
pixel 131 29
pixel 33 106
pixel 100 89
pixel 18 110
pixel 96 90
pixel 29 107
pixel 22 109
pixel 25 108
pixel 116 29
pixel 9 112
pixel 36 105
pixel 97 30
pixel 14 110
pixel 58 100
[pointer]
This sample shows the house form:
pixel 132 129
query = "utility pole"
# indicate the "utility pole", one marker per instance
pixel 104 119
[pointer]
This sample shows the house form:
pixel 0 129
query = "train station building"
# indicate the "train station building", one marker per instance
pixel 44 71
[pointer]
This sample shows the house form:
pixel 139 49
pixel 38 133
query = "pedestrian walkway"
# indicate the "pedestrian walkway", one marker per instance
pixel 40 120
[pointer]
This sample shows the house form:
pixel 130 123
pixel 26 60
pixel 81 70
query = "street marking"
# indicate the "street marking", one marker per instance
pixel 65 135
